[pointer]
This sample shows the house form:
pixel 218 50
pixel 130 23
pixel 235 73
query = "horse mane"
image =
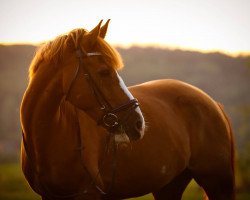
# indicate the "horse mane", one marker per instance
pixel 54 50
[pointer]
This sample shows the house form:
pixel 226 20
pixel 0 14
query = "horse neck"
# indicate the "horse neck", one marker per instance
pixel 47 120
pixel 43 95
pixel 40 106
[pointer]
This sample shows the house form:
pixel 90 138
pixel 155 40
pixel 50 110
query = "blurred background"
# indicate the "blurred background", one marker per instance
pixel 203 42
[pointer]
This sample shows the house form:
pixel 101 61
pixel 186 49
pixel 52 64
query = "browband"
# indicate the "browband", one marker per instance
pixel 94 54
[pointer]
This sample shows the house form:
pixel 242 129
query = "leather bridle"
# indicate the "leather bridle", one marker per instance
pixel 109 120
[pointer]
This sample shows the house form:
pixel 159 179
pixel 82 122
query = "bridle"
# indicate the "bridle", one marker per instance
pixel 109 119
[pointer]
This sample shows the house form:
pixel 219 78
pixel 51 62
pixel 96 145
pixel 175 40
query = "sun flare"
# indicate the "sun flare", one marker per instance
pixel 202 25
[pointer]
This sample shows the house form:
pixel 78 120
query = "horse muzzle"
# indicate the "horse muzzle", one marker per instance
pixel 135 126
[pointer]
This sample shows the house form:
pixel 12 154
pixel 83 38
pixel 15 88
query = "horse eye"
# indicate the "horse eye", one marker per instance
pixel 104 72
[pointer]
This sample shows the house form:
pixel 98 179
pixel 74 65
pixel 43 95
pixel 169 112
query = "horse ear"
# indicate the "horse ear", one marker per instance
pixel 92 36
pixel 104 29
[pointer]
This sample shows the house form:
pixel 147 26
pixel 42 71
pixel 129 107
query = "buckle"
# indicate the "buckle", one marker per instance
pixel 110 120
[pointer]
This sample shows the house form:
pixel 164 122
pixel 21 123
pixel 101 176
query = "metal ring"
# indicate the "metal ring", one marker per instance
pixel 110 120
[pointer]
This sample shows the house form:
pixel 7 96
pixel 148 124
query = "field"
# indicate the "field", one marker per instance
pixel 217 74
pixel 14 187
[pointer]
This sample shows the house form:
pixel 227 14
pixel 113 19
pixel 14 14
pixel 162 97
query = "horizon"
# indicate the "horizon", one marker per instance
pixel 145 46
pixel 201 25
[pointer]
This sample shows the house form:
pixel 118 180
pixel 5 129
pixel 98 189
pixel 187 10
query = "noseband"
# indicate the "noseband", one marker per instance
pixel 109 120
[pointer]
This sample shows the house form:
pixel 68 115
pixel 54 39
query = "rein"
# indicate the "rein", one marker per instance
pixel 45 191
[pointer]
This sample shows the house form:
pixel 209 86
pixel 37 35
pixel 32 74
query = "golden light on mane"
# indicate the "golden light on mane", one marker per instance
pixel 52 51
pixel 109 53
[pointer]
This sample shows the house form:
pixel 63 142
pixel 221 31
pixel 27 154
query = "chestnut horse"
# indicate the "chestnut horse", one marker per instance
pixel 83 130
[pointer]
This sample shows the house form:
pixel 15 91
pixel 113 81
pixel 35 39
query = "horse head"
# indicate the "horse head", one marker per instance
pixel 91 83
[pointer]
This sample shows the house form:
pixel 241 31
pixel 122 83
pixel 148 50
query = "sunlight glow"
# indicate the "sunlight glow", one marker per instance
pixel 197 24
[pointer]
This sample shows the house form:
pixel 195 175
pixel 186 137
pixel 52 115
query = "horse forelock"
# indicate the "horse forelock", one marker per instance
pixel 53 51
pixel 109 53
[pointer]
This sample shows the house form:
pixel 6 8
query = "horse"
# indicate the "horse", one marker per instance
pixel 87 136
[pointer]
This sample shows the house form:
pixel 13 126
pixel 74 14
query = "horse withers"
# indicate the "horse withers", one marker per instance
pixel 84 134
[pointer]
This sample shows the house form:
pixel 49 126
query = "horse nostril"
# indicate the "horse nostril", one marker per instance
pixel 138 125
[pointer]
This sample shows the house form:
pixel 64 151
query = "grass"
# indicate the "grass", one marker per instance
pixel 192 192
pixel 13 186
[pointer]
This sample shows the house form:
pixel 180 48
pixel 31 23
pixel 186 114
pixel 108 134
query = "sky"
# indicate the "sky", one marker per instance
pixel 207 25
